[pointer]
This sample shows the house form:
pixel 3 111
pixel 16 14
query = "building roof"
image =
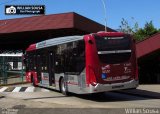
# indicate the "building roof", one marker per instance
pixel 20 32
pixel 57 21
pixel 47 22
pixel 148 46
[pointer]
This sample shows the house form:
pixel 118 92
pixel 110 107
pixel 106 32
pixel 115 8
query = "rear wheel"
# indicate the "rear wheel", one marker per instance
pixel 63 87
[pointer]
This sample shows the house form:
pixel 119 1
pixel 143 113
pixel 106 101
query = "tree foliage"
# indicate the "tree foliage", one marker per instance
pixel 138 33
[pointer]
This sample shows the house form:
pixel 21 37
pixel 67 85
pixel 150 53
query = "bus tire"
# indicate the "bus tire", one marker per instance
pixel 63 87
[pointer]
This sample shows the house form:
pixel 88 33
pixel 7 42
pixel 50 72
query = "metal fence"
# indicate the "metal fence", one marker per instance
pixel 11 68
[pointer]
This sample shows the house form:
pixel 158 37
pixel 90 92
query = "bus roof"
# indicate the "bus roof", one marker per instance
pixel 53 42
pixel 66 39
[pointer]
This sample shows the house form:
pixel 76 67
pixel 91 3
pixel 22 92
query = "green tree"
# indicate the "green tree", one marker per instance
pixel 125 27
pixel 138 33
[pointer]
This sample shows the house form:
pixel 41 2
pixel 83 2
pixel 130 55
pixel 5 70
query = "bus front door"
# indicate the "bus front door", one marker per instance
pixel 51 68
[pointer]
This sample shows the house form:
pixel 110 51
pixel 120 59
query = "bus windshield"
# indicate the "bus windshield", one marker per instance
pixel 112 50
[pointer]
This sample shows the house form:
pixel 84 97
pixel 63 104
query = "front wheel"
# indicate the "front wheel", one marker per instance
pixel 63 87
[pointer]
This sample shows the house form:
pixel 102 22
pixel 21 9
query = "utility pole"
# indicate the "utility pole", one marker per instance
pixel 105 14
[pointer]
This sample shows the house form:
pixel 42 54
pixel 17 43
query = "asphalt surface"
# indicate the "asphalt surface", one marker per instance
pixel 42 98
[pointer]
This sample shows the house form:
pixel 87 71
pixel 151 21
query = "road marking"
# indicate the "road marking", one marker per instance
pixel 23 89
pixel 3 89
pixel 16 89
pixel 9 89
pixel 30 89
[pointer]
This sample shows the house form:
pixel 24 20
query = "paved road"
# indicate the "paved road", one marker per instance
pixel 22 88
pixel 42 98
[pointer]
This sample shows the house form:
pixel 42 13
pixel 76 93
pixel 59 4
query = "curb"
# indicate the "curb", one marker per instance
pixel 140 95
pixel 18 83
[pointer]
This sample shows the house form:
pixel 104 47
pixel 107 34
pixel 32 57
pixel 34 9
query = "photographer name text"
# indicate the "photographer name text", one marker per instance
pixel 142 111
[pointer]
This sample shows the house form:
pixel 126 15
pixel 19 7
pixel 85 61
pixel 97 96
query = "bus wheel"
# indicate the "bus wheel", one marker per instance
pixel 63 87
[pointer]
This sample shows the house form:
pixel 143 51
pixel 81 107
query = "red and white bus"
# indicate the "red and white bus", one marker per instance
pixel 92 63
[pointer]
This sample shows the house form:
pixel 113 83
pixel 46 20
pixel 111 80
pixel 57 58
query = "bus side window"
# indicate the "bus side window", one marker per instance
pixel 44 61
pixel 74 57
pixel 59 58
pixel 59 64
pixel 80 57
pixel 34 62
pixel 30 60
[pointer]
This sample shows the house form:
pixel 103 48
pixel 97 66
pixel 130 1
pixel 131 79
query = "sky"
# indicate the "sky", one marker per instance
pixel 141 10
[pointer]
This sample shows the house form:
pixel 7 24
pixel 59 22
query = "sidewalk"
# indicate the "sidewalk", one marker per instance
pixel 149 91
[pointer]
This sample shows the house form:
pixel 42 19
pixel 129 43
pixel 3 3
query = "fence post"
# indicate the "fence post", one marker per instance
pixel 4 70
